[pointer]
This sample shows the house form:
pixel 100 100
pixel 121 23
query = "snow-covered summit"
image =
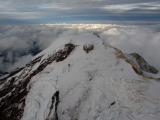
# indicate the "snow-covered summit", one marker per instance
pixel 80 76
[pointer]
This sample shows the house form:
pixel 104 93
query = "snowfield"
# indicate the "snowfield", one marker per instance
pixel 76 84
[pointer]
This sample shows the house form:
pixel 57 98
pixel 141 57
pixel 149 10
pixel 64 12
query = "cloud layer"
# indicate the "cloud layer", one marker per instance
pixel 18 44
pixel 142 40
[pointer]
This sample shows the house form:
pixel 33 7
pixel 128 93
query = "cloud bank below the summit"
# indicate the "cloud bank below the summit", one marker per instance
pixel 18 44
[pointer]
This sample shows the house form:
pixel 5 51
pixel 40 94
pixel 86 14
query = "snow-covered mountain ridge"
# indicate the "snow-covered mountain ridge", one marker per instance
pixel 80 76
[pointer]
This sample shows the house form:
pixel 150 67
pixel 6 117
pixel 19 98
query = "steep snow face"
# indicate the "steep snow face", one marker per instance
pixel 64 82
pixel 93 86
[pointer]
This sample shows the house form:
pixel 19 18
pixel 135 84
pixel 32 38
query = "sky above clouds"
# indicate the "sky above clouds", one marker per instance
pixel 64 11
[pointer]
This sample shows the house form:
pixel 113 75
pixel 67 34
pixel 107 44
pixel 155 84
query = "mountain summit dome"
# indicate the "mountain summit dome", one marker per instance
pixel 64 82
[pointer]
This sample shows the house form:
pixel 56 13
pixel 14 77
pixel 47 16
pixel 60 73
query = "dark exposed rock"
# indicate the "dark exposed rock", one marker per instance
pixel 14 90
pixel 96 34
pixel 138 63
pixel 87 48
pixel 113 103
pixel 62 54
pixel 55 101
pixel 144 66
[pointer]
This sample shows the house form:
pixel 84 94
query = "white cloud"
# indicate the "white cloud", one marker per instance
pixel 144 41
pixel 133 6
pixel 19 43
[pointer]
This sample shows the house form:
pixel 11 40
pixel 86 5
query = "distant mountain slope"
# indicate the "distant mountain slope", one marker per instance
pixel 82 77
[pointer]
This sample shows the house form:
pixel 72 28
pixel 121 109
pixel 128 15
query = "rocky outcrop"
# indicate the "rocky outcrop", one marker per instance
pixel 53 115
pixel 142 63
pixel 138 63
pixel 88 47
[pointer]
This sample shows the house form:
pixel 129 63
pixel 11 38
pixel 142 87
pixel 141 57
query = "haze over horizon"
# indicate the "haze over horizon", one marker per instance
pixel 79 11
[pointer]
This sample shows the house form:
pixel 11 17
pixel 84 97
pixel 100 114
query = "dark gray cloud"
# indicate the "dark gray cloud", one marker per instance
pixel 80 1
pixel 44 11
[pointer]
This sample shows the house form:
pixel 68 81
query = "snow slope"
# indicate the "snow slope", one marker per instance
pixel 76 85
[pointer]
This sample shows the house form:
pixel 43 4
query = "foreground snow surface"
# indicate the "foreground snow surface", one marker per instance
pixel 93 86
